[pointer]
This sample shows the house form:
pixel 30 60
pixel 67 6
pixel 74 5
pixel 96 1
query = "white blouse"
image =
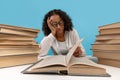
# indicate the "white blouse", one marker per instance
pixel 71 37
pixel 63 47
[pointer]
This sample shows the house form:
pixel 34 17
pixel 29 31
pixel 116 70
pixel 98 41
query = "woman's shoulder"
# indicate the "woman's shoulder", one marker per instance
pixel 73 31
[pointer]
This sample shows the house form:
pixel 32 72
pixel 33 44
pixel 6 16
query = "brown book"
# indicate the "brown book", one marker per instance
pixel 68 64
pixel 108 54
pixel 110 62
pixel 110 31
pixel 18 42
pixel 106 46
pixel 15 60
pixel 18 51
pixel 111 41
pixel 19 28
pixel 108 37
pixel 19 46
pixel 18 32
pixel 4 36
pixel 110 26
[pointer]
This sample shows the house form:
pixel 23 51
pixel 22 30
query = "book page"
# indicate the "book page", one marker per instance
pixel 82 61
pixel 51 61
pixel 71 51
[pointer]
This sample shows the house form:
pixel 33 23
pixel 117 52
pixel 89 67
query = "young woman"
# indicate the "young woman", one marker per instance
pixel 59 35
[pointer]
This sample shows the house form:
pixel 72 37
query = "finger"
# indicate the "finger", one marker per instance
pixel 49 24
pixel 77 49
pixel 49 21
pixel 76 55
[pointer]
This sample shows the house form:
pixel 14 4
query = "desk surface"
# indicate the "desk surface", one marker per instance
pixel 14 73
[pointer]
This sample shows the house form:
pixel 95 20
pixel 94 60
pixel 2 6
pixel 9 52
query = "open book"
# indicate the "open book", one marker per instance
pixel 68 64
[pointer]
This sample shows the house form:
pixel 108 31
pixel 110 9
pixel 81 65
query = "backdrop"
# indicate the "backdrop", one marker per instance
pixel 87 15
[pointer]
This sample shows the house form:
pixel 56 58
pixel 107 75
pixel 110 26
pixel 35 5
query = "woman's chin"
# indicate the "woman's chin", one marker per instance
pixel 59 32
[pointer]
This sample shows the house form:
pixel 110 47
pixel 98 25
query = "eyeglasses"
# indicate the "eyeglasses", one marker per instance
pixel 55 24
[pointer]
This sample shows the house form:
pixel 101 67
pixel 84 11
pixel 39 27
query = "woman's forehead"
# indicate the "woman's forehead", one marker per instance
pixel 55 18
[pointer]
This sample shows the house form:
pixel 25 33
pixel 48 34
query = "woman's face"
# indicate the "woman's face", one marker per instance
pixel 58 23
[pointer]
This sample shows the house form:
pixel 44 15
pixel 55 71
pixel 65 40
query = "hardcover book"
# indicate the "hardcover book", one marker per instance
pixel 68 64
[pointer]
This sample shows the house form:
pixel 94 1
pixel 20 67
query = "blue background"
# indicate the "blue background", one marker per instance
pixel 87 15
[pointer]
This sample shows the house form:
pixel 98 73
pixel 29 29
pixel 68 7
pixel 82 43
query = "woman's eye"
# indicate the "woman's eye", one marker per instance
pixel 61 23
pixel 54 24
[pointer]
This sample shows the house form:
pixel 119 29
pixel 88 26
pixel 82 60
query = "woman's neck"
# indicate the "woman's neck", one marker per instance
pixel 60 37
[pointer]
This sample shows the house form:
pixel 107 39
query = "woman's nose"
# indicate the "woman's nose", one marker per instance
pixel 58 26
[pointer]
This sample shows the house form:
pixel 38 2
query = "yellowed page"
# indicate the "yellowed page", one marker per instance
pixel 82 61
pixel 71 51
pixel 49 61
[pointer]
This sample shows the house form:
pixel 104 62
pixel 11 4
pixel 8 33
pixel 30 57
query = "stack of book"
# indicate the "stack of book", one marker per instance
pixel 17 45
pixel 107 45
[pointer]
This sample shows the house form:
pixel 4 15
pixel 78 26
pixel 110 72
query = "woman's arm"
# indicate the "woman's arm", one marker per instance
pixel 80 51
pixel 47 42
pixel 45 45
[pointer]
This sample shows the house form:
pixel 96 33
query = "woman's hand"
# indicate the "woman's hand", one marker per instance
pixel 78 52
pixel 52 28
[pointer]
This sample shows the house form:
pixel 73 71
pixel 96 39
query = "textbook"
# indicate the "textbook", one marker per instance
pixel 110 62
pixel 17 59
pixel 105 37
pixel 18 31
pixel 105 46
pixel 107 54
pixel 110 31
pixel 68 65
pixel 110 26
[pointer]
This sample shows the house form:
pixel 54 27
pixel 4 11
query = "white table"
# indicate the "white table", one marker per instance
pixel 14 73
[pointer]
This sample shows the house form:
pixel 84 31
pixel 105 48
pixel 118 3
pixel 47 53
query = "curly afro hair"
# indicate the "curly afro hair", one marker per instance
pixel 66 19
